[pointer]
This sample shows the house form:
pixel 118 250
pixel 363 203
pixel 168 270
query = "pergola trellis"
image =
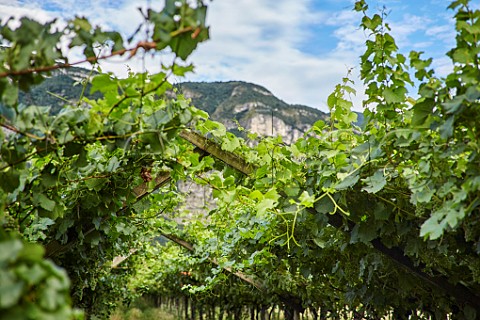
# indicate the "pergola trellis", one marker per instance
pixel 459 292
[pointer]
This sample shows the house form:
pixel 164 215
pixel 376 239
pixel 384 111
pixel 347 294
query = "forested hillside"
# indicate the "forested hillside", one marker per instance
pixel 60 88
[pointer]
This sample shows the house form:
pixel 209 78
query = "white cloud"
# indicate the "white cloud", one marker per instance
pixel 13 9
pixel 442 66
pixel 260 46
pixel 444 33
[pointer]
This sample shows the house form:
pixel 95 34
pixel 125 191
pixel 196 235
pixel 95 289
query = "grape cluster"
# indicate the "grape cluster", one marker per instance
pixel 9 223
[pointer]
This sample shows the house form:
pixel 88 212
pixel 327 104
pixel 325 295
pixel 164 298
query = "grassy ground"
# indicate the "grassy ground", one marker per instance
pixel 137 314
pixel 142 309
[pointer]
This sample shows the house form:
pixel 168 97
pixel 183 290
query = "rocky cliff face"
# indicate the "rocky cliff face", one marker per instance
pixel 252 107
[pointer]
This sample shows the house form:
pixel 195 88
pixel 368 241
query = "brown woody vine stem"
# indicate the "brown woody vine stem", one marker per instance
pixel 146 45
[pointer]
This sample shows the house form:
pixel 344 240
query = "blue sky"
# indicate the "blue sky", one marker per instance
pixel 298 49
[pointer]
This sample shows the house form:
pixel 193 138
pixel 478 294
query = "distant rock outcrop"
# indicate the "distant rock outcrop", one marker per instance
pixel 252 107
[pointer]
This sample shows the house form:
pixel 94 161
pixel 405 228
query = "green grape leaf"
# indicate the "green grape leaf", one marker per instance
pixel 347 181
pixel 32 252
pixel 432 228
pixel 9 250
pixel 95 183
pixel 452 106
pixel 421 111
pixel 11 289
pixel 43 201
pixel 307 200
pixel 263 206
pixel 32 275
pixel 375 183
pixel 231 143
pixel 363 233
pixel 395 95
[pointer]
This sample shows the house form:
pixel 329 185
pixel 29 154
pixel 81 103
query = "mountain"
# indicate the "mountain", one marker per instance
pixel 252 107
pixel 232 103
